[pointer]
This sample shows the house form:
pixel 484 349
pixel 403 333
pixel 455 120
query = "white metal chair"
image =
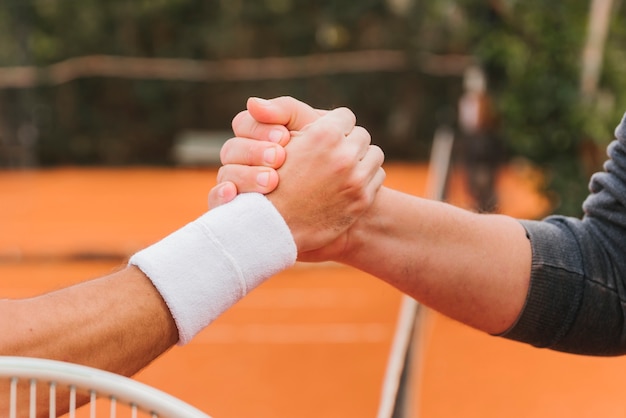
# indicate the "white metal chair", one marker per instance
pixel 118 393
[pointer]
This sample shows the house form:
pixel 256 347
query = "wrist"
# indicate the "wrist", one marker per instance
pixel 205 267
pixel 370 226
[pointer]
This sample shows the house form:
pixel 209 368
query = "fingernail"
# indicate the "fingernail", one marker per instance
pixel 269 155
pixel 221 192
pixel 263 179
pixel 275 135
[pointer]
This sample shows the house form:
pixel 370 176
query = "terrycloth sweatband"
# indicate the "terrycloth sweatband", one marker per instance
pixel 205 267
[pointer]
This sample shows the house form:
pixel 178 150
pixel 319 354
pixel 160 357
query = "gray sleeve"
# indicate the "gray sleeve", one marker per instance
pixel 576 301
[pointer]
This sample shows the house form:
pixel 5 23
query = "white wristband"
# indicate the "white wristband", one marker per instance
pixel 205 267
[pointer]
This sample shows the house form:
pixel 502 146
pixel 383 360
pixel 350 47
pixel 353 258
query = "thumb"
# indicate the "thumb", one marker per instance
pixel 222 194
pixel 284 110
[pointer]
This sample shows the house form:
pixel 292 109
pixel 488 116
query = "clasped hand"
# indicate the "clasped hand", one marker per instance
pixel 317 167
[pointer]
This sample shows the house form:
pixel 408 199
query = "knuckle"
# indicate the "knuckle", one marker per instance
pixel 241 151
pixel 383 174
pixel 227 151
pixel 345 162
pixel 363 134
pixel 348 114
pixel 326 132
pixel 379 155
pixel 255 130
pixel 253 153
pixel 355 182
pixel 249 155
pixel 239 120
pixel 345 112
pixel 221 174
pixel 286 100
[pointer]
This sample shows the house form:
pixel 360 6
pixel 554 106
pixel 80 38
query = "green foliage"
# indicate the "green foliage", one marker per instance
pixel 117 121
pixel 530 49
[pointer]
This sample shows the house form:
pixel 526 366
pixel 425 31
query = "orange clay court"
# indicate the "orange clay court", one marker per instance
pixel 311 342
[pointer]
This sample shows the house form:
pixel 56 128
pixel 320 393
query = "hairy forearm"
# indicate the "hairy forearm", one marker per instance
pixel 117 323
pixel 473 268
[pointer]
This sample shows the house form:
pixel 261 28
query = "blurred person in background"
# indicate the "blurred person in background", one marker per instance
pixel 556 283
pixel 480 150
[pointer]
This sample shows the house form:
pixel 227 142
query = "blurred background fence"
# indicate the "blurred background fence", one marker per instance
pixel 117 82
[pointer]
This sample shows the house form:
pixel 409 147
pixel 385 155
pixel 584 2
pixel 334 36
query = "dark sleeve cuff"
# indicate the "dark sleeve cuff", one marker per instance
pixel 556 285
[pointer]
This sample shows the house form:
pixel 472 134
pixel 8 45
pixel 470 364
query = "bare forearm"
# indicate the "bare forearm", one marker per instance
pixel 117 323
pixel 473 268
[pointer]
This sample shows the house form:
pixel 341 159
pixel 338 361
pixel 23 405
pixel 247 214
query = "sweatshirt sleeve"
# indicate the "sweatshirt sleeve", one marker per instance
pixel 577 297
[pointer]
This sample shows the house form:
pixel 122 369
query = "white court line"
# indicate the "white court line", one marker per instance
pixel 317 298
pixel 334 333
